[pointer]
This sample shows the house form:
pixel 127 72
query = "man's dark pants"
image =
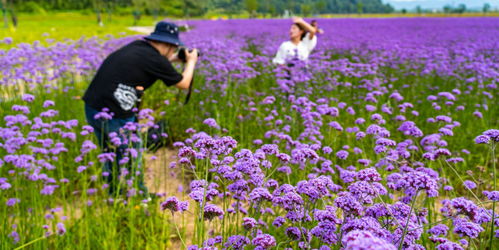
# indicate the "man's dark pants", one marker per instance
pixel 102 128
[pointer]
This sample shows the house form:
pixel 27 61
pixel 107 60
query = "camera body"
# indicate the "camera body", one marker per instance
pixel 181 54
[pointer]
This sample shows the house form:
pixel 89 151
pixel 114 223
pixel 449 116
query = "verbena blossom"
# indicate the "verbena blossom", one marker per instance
pixel 174 205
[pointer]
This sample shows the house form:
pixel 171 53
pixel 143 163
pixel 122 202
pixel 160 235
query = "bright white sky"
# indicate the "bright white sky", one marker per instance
pixel 438 4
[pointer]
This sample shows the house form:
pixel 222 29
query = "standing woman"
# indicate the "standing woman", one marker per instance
pixel 301 43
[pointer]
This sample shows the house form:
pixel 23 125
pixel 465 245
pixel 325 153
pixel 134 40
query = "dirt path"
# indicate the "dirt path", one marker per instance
pixel 159 177
pixel 163 180
pixel 142 29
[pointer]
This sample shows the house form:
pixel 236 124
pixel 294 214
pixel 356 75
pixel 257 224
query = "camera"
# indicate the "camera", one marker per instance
pixel 181 54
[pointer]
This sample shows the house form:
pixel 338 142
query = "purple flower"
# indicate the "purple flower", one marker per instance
pixel 449 245
pixel 492 134
pixel 48 189
pixel 370 108
pixel 327 150
pixel 263 241
pixel 336 126
pixel 61 230
pixel 439 229
pixel 466 228
pixel 103 115
pixel 455 160
pixel 482 139
pixel 342 154
pixel 492 195
pixel 12 201
pixel 174 205
pixel 259 194
pixel 237 242
pixel 360 135
pixel 270 149
pixel 15 236
pixel 348 203
pixel 466 207
pixel 385 142
pixel 326 232
pixel 293 233
pixel 469 184
pixel 278 221
pixel 362 239
pixel 28 98
pixel 287 197
pixel 249 223
pixel 365 191
pixel 368 174
pixel 211 123
pixel 48 103
pixel 211 211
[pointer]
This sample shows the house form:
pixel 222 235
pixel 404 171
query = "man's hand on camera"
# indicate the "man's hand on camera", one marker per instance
pixel 174 58
pixel 191 56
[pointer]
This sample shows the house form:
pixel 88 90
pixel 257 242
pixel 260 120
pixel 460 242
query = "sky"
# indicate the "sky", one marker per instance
pixel 438 4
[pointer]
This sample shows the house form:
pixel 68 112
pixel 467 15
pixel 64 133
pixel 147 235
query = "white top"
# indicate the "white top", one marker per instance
pixel 302 50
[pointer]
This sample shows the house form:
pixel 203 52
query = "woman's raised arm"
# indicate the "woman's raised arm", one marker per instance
pixel 309 28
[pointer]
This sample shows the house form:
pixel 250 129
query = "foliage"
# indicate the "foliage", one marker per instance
pixel 198 7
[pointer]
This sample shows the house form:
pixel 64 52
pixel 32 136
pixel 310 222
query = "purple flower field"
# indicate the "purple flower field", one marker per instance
pixel 386 138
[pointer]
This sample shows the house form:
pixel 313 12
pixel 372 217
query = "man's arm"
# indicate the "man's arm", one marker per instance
pixel 191 58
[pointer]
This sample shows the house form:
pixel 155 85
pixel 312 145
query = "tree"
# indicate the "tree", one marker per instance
pixel 305 9
pixel 486 8
pixel 320 6
pixel 359 8
pixel 153 7
pixel 97 5
pixel 461 8
pixel 418 9
pixel 447 9
pixel 109 7
pixel 13 16
pixel 138 8
pixel 404 11
pixel 251 7
pixel 199 7
pixel 4 13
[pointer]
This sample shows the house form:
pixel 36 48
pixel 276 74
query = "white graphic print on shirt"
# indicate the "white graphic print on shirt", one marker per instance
pixel 126 96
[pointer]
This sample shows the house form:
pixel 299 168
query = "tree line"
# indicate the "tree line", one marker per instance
pixel 201 7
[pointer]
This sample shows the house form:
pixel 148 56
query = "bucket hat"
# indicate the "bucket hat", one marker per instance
pixel 167 33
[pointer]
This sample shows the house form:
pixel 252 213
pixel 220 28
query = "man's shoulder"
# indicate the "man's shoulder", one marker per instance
pixel 137 44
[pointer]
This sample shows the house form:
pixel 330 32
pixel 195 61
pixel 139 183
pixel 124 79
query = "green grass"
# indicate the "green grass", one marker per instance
pixel 60 26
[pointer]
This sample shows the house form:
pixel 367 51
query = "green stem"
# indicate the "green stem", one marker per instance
pixel 407 221
pixel 31 242
pixel 495 189
pixel 462 181
pixel 178 232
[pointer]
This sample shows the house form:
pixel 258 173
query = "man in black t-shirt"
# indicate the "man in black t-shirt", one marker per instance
pixel 121 78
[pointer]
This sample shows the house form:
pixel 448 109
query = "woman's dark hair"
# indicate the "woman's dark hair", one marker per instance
pixel 302 29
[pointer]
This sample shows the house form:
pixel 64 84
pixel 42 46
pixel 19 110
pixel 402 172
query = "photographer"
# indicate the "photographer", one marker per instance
pixel 121 79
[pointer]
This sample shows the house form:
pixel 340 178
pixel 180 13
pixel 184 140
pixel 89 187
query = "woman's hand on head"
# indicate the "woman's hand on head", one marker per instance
pixel 297 19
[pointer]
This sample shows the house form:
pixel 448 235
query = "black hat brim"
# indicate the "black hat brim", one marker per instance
pixel 164 39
